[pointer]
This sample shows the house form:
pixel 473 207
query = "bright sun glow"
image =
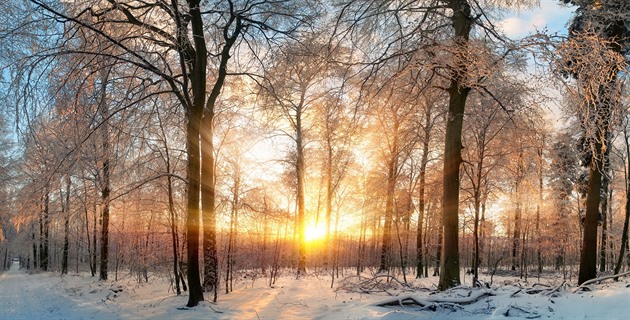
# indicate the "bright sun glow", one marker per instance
pixel 314 232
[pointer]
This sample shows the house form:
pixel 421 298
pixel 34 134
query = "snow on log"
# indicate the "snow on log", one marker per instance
pixel 416 300
pixel 476 295
pixel 402 301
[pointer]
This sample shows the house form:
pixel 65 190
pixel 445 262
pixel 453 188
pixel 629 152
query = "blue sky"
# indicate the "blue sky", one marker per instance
pixel 551 14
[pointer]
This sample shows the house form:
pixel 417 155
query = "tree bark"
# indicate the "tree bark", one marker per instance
pixel 195 292
pixel 458 92
pixel 588 255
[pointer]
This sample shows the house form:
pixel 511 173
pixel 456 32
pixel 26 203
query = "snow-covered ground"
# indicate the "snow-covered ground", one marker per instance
pixel 51 296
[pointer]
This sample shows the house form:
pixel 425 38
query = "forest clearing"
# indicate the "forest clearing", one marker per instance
pixel 359 159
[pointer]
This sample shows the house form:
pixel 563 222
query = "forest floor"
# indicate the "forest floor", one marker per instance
pixel 79 296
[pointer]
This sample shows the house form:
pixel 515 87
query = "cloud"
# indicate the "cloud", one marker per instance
pixel 551 15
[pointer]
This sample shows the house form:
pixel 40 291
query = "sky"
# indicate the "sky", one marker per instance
pixel 551 14
pixel 553 17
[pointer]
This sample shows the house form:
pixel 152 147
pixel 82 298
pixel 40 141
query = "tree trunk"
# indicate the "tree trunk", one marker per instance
pixel 539 205
pixel 263 251
pixel 604 206
pixel 449 264
pixel 329 196
pixel 588 255
pixel 38 258
pixel 93 258
pixel 626 221
pixel 200 167
pixel 44 251
pixel 34 251
pixel 208 166
pixel 195 293
pixel 208 205
pixel 438 252
pixel 422 199
pixel 386 240
pixel 66 229
pixel 105 171
pixel 229 272
pixel 172 213
pixel 299 168
pixel 520 176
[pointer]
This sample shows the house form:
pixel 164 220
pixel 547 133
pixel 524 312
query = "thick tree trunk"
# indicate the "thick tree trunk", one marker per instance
pixel 195 293
pixel 449 264
pixel 196 143
pixel 588 255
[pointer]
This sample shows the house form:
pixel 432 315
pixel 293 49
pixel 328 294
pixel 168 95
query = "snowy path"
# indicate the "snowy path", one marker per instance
pixel 24 296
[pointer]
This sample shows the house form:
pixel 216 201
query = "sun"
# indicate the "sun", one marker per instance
pixel 314 232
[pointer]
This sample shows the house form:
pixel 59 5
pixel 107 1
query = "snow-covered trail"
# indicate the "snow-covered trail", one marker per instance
pixel 22 296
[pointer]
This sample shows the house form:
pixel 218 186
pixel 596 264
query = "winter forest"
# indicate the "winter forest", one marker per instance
pixel 326 159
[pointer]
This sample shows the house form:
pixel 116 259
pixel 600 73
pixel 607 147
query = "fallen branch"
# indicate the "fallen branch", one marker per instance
pixel 403 301
pixel 465 300
pixel 515 293
pixel 556 288
pixel 415 300
pixel 586 283
pixel 545 291
pixel 378 283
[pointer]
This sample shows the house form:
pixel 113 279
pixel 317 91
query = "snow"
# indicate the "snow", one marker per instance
pixel 52 296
